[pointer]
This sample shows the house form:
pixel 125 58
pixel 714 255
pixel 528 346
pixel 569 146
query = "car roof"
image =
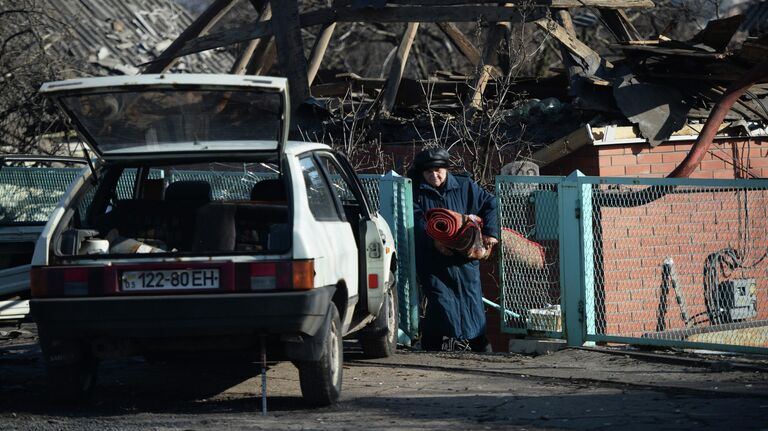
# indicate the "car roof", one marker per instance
pixel 294 148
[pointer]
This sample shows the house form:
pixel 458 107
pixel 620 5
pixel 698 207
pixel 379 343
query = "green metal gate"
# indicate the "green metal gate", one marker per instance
pixel 664 262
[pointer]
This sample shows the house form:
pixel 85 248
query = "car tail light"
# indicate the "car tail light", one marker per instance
pixel 49 282
pixel 303 274
pixel 38 280
pixel 297 274
pixel 373 281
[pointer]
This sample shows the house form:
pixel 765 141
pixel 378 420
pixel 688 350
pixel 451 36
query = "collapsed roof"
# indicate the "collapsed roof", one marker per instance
pixel 657 84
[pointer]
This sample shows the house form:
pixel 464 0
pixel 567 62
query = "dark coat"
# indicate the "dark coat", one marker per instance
pixel 451 283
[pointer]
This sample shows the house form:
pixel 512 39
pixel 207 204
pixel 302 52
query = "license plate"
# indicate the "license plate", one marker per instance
pixel 170 279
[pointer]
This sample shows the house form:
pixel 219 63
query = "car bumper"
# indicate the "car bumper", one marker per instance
pixel 184 315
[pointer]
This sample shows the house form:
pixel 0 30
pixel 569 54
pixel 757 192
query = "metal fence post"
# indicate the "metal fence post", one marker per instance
pixel 571 258
pixel 396 207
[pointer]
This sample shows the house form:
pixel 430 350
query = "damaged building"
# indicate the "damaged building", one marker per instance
pixel 637 111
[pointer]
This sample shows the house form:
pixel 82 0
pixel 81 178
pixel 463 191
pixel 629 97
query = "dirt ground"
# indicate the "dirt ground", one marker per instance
pixel 570 389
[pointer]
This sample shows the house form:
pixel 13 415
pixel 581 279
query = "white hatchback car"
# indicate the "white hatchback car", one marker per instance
pixel 200 228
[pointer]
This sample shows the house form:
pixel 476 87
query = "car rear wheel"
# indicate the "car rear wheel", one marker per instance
pixel 72 380
pixel 321 380
pixel 381 341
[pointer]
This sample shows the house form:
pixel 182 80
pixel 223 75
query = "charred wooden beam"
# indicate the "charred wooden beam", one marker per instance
pixel 263 58
pixel 618 23
pixel 589 59
pixel 483 74
pixel 461 42
pixel 559 4
pixel 198 28
pixel 290 48
pixel 572 67
pixel 318 51
pixel 241 64
pixel 398 67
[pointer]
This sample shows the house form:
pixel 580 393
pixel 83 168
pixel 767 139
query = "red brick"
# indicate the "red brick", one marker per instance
pixel 612 171
pixel 612 151
pixel 701 174
pixel 683 147
pixel 761 162
pixel 623 160
pixel 604 161
pixel 648 158
pixel 638 169
pixel 662 168
pixel 673 157
pixel 723 174
pixel 712 165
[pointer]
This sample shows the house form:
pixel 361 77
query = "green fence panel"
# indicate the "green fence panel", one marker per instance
pixel 529 255
pixel 28 195
pixel 681 262
pixel 394 199
pixel 663 262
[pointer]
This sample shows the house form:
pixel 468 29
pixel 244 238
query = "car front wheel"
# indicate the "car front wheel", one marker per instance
pixel 381 341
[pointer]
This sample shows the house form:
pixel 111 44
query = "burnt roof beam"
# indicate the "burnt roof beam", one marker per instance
pixel 330 15
pixel 198 28
pixel 290 48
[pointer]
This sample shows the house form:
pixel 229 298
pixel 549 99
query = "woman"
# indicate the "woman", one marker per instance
pixel 450 282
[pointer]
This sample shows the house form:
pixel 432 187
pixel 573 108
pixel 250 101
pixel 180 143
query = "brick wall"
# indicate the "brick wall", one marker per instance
pixel 684 227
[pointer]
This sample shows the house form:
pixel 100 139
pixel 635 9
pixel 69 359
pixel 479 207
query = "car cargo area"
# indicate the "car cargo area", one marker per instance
pixel 180 210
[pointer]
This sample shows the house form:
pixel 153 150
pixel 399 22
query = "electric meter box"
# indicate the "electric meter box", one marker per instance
pixel 738 298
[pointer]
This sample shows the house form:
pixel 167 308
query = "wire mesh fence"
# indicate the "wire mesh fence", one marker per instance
pixel 528 214
pixel 672 262
pixel 681 262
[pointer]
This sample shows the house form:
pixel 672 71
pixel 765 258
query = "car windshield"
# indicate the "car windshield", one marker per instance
pixel 178 120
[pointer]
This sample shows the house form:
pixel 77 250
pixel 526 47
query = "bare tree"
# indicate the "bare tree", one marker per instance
pixel 28 37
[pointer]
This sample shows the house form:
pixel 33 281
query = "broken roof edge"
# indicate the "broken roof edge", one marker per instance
pixel 626 135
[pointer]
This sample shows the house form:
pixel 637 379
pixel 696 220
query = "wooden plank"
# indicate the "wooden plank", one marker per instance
pixel 659 50
pixel 591 61
pixel 318 51
pixel 290 49
pixel 475 99
pixel 241 64
pixel 433 14
pixel 558 4
pixel 199 27
pixel 263 59
pixel 618 23
pixel 461 42
pixel 398 67
pixel 572 67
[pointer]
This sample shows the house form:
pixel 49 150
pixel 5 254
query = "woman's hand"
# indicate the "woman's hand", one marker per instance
pixel 443 249
pixel 489 241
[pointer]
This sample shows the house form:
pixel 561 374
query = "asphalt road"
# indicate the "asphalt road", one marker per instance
pixel 571 389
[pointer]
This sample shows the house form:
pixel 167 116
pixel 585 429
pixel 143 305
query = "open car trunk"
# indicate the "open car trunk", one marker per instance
pixel 181 160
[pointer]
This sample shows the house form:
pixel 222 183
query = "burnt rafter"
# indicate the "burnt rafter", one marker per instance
pixel 195 40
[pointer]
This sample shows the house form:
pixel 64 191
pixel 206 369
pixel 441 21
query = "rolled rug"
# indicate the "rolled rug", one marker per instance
pixel 459 232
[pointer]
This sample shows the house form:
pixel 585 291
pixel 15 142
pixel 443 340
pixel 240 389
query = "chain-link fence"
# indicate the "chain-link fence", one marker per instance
pixel 674 262
pixel 529 255
pixel 682 262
